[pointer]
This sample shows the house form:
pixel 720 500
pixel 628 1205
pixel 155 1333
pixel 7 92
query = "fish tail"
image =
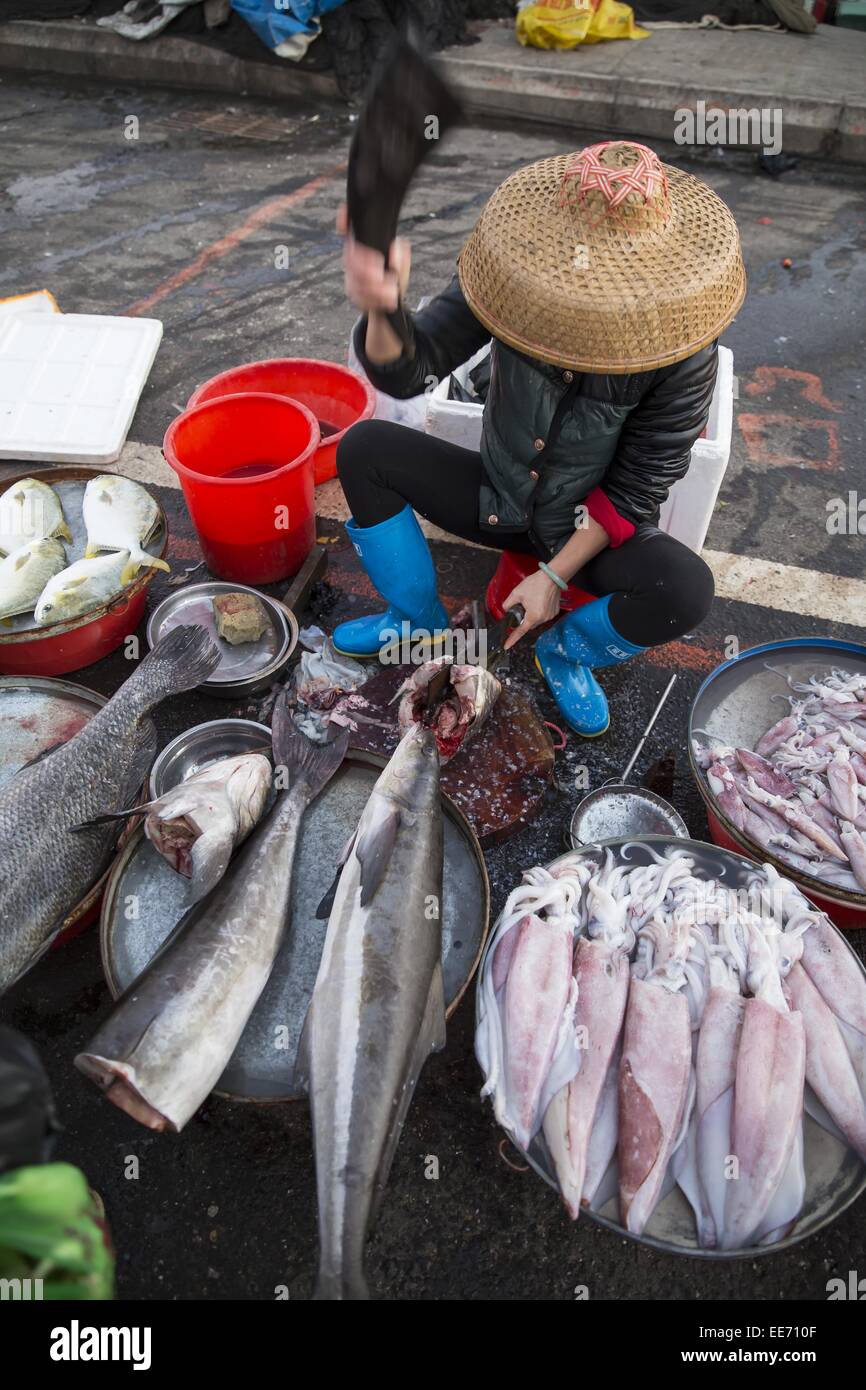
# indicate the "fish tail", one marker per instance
pixel 139 559
pixel 314 763
pixel 181 660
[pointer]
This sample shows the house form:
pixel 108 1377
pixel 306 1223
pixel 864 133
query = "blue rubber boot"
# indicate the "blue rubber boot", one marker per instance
pixel 565 655
pixel 397 558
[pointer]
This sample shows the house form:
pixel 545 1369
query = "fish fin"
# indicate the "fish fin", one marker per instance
pixel 374 847
pixel 64 531
pixel 323 911
pixel 90 551
pixel 107 818
pixel 314 763
pixel 209 858
pixel 431 1038
pixel 130 569
pixel 181 660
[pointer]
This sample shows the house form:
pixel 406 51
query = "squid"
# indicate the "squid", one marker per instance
pixel 768 1091
pixel 601 972
pixel 655 1069
pixel 829 1069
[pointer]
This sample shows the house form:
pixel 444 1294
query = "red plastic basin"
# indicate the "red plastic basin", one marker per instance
pixel 337 396
pixel 245 464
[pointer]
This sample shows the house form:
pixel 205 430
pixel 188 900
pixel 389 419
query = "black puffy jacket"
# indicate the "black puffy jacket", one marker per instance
pixel 550 436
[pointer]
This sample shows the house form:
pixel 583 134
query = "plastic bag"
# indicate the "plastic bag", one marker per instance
pixel 567 23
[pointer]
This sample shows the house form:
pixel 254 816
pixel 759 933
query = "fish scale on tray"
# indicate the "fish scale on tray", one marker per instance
pixel 800 793
pixel 655 1026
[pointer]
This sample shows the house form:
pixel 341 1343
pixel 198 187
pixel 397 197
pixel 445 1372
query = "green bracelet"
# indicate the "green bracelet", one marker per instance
pixel 551 574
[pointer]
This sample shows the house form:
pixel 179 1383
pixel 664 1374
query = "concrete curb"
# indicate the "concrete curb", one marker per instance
pixel 594 92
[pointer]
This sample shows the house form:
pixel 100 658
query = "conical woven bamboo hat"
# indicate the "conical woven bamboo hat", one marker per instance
pixel 605 260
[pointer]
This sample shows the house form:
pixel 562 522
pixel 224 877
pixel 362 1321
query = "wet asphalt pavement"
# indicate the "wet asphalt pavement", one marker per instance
pixel 188 222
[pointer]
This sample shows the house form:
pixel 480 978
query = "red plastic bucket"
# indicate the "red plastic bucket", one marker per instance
pixel 245 464
pixel 515 566
pixel 337 396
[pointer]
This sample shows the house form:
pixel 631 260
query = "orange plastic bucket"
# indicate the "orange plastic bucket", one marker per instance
pixel 337 396
pixel 245 464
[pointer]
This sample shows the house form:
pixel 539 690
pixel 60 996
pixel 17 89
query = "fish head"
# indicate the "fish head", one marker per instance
pixel 413 768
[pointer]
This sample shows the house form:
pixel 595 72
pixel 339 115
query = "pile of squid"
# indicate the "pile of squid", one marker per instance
pixel 649 1027
pixel 801 793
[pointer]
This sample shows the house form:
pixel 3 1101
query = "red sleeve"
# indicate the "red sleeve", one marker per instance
pixel 602 510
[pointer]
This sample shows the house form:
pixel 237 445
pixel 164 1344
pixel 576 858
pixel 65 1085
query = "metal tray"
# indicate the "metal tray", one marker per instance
pixel 197 748
pixel 737 704
pixel 258 1071
pixel 835 1175
pixel 69 484
pixel 246 668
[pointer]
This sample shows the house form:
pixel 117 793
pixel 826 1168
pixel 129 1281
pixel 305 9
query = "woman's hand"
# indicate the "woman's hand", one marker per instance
pixel 370 285
pixel 540 598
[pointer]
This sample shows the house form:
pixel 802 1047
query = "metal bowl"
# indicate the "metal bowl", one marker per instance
pixel 244 669
pixel 202 745
pixel 835 1175
pixel 622 811
pixel 736 704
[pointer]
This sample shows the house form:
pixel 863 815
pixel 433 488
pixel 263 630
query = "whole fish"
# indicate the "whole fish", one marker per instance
pixel 378 1008
pixel 120 515
pixel 29 511
pixel 44 868
pixel 24 574
pixel 85 585
pixel 197 825
pixel 457 712
pixel 166 1043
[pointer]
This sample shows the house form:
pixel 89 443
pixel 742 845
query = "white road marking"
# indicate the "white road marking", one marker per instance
pixel 742 578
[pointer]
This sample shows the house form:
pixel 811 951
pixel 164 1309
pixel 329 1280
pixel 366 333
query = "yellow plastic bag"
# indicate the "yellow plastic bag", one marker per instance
pixel 566 23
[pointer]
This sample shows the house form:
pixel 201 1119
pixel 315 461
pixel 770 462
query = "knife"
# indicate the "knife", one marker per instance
pixel 498 632
pixel 392 139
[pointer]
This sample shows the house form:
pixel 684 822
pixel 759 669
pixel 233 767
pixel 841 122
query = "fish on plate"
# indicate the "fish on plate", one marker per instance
pixel 197 825
pixel 121 515
pixel 454 701
pixel 24 574
pixel 46 868
pixel 30 510
pixel 170 1036
pixel 378 1007
pixel 85 585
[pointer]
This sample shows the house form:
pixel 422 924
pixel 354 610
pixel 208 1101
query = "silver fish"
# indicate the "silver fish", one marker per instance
pixel 163 1048
pixel 44 868
pixel 378 1007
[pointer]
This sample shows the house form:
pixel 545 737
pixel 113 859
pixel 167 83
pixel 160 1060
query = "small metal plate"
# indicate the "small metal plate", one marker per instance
pixel 242 668
pixel 197 748
pixel 623 812
pixel 37 712
pixel 261 1068
pixel 835 1175
pixel 70 490
pixel 742 699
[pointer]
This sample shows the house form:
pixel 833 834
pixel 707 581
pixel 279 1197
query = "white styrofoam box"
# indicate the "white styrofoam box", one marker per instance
pixel 70 383
pixel 39 302
pixel 689 506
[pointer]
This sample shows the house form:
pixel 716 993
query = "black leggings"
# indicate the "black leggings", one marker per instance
pixel 660 589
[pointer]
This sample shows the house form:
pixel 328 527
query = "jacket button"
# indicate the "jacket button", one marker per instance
pixel 568 377
pixel 539 443
pixel 533 475
pixel 492 520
